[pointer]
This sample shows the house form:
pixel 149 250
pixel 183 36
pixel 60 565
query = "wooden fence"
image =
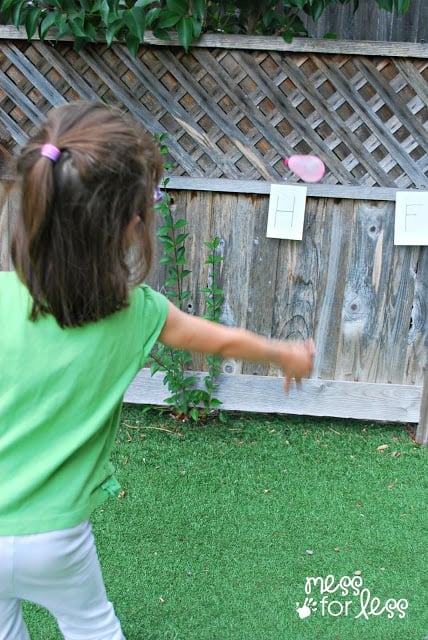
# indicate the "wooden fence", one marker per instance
pixel 233 108
pixel 370 22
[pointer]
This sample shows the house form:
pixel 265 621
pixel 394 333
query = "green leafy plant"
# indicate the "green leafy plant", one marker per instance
pixel 186 398
pixel 214 298
pixel 128 20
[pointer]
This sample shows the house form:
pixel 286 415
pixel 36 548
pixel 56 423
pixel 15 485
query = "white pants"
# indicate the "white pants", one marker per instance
pixel 60 571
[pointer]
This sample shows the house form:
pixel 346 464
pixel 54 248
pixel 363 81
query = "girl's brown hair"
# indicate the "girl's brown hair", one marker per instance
pixel 71 247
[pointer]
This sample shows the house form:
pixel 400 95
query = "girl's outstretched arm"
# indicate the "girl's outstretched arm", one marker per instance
pixel 183 331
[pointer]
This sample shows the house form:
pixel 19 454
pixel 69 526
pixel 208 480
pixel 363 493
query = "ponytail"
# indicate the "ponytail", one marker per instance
pixel 84 176
pixel 32 228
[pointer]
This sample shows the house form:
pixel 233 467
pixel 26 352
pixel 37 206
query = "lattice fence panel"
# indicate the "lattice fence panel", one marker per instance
pixel 237 113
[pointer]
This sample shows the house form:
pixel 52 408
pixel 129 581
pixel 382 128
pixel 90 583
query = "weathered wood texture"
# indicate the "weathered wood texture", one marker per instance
pixel 265 394
pixel 371 23
pixel 231 116
pixel 363 299
pixel 422 430
pixel 8 210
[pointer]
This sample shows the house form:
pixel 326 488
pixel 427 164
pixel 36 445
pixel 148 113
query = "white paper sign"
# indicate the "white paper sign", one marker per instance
pixel 411 218
pixel 286 212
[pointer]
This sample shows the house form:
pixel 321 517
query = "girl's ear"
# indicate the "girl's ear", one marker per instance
pixel 129 231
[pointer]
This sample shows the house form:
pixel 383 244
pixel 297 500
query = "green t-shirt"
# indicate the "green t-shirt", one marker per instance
pixel 60 399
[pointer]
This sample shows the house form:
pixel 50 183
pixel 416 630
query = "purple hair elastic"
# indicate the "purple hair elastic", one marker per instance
pixel 157 195
pixel 50 151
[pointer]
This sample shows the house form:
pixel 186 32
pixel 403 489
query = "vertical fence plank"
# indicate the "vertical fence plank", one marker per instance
pixel 417 340
pixel 262 299
pixel 198 211
pixel 335 238
pixel 9 206
pixel 366 278
pixel 378 299
pixel 4 231
pixel 422 429
pixel 233 223
pixel 297 282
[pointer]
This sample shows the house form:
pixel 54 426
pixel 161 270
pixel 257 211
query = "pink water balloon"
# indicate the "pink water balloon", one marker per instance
pixel 309 168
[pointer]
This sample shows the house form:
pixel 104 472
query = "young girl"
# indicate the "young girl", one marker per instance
pixel 76 325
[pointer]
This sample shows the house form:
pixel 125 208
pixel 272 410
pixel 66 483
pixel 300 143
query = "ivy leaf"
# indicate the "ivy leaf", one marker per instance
pixel 177 6
pixel 46 24
pixel 167 19
pixel 6 5
pixel 185 32
pixel 401 6
pixel 77 24
pixel 62 26
pixel 16 12
pixel 31 21
pixel 180 259
pixel 161 34
pixel 166 241
pixel 198 9
pixel 268 18
pixel 194 414
pixel 113 29
pixel 197 29
pixel 189 380
pixel 135 20
pixel 386 4
pixel 181 238
pixel 152 15
pixel 91 32
pixel 316 10
pixel 302 5
pixel 163 230
pixel 86 5
pixel 133 43
pixel 287 36
pixel 154 367
pixel 67 5
pixel 104 11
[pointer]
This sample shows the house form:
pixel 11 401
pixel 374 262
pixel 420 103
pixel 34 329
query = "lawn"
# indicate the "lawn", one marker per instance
pixel 263 528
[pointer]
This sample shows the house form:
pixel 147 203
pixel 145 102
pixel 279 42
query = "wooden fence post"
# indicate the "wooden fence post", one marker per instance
pixel 422 430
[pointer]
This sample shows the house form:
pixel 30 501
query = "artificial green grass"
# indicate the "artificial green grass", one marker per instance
pixel 220 525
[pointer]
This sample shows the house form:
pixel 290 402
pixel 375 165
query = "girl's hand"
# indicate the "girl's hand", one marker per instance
pixel 297 361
